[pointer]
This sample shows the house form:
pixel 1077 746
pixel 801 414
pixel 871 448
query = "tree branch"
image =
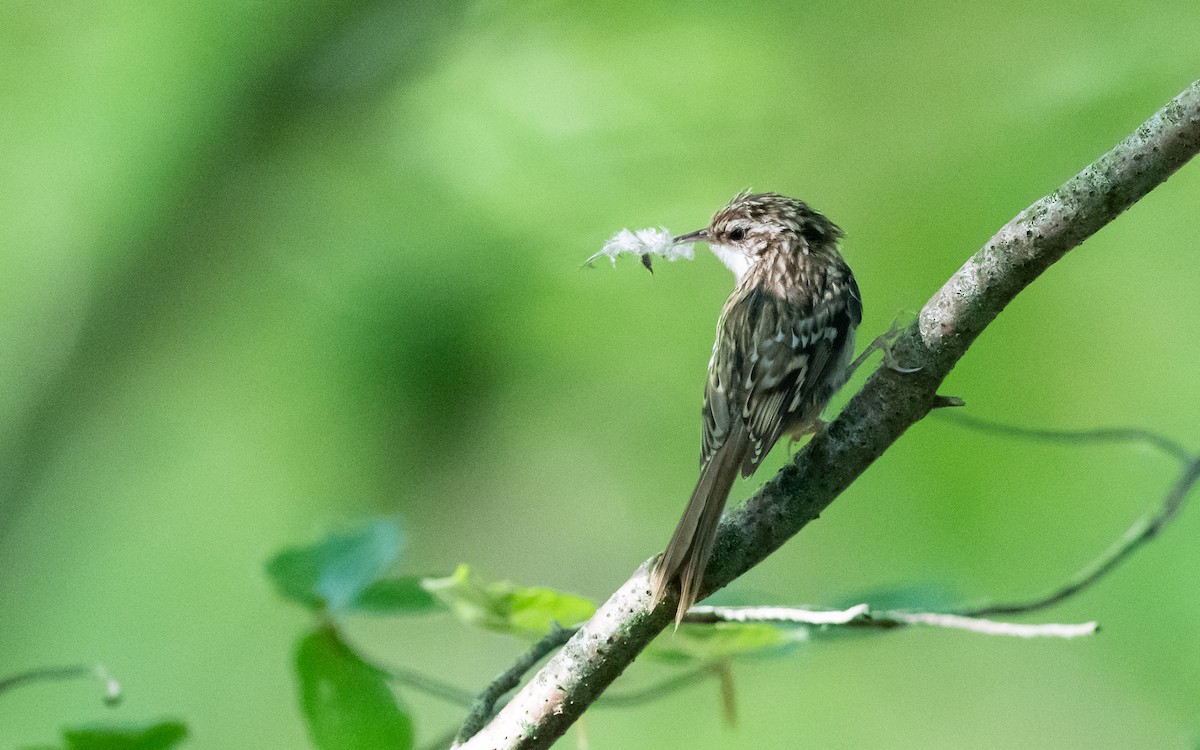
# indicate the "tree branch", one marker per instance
pixel 484 706
pixel 888 404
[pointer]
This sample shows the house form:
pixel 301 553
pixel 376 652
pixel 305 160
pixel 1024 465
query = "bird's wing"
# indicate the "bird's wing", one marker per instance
pixel 775 366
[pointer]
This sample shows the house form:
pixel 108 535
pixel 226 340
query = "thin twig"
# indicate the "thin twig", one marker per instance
pixel 724 670
pixel 442 741
pixel 1142 531
pixel 1139 534
pixel 702 614
pixel 430 686
pixel 112 688
pixel 45 674
pixel 483 707
pixel 862 616
pixel 991 627
pixel 641 696
pixel 1106 435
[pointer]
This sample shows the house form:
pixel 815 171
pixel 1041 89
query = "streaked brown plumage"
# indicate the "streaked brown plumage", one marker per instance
pixel 784 340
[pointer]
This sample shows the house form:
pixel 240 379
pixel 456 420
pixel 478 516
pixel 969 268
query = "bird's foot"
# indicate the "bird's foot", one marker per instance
pixel 883 343
pixel 815 429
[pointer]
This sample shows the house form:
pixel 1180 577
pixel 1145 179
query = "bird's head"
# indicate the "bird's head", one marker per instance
pixel 754 225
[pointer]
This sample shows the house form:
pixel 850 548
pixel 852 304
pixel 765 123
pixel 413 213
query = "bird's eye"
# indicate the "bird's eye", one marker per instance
pixel 737 234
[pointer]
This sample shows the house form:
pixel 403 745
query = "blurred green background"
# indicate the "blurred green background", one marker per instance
pixel 271 267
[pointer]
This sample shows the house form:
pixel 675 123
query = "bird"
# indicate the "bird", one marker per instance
pixel 784 342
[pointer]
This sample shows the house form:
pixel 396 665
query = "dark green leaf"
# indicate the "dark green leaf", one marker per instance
pixel 499 605
pixel 334 571
pixel 159 736
pixel 401 595
pixel 347 702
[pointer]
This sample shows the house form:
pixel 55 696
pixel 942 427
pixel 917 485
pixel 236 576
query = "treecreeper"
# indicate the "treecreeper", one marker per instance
pixel 784 343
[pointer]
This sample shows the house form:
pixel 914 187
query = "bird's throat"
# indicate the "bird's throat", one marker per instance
pixel 735 260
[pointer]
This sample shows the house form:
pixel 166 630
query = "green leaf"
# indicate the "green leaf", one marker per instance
pixel 725 640
pixel 331 573
pixel 347 702
pixel 499 605
pixel 158 736
pixel 401 595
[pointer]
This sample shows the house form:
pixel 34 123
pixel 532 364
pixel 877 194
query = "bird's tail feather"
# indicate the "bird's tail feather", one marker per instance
pixel 691 545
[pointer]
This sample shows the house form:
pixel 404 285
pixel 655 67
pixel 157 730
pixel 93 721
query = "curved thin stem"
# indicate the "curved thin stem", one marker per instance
pixel 1154 440
pixel 112 688
pixel 1139 534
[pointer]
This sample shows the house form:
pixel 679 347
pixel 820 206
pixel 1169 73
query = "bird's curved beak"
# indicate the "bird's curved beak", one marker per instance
pixel 700 235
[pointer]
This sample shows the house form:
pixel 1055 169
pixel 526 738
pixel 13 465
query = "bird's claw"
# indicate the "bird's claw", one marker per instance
pixel 815 429
pixel 883 343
